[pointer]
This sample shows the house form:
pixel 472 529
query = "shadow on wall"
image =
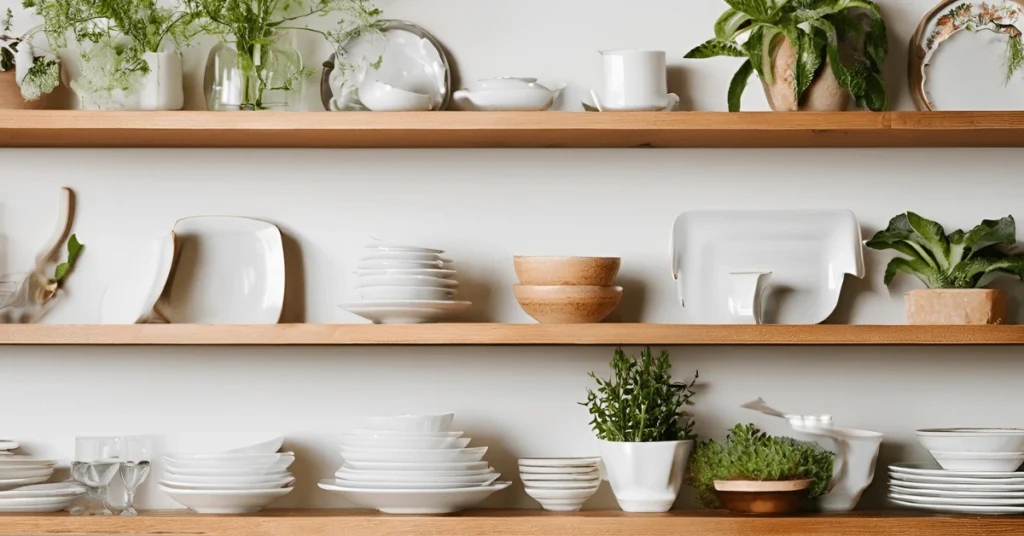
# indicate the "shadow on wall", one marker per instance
pixel 631 308
pixel 678 84
pixel 294 309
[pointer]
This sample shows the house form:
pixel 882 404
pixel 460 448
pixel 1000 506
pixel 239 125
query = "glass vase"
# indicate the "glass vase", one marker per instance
pixel 251 76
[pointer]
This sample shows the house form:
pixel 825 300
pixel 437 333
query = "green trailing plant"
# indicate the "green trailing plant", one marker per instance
pixel 957 260
pixel 640 403
pixel 41 77
pixel 818 30
pixel 253 26
pixel 750 454
pixel 63 269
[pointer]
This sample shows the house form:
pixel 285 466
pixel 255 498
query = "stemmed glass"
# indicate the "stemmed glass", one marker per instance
pixel 135 454
pixel 96 463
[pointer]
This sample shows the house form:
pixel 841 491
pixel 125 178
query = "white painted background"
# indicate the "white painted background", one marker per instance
pixel 484 206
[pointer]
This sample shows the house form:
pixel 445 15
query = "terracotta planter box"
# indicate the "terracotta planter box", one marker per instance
pixel 11 99
pixel 956 307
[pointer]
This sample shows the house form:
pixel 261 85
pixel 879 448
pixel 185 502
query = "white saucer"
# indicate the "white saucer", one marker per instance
pixel 931 469
pixel 404 313
pixel 961 509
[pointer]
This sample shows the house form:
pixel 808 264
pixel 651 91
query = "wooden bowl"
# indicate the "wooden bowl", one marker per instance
pixel 593 271
pixel 762 497
pixel 568 304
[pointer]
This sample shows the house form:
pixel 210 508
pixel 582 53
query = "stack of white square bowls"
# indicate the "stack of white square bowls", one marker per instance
pixel 241 481
pixel 560 484
pixel 412 464
pixel 399 284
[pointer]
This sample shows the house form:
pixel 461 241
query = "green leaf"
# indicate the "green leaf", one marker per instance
pixel 728 26
pixel 900 236
pixel 716 47
pixel 63 269
pixel 762 10
pixel 991 232
pixel 969 273
pixel 932 236
pixel 809 60
pixel 915 267
pixel 739 84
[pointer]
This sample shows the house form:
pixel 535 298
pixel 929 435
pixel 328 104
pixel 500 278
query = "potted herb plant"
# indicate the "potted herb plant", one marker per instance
pixel 810 54
pixel 27 81
pixel 131 56
pixel 256 68
pixel 953 267
pixel 755 473
pixel 645 436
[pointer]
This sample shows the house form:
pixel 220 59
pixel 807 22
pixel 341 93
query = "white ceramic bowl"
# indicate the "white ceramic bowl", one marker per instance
pixel 400 433
pixel 406 281
pixel 561 500
pixel 972 439
pixel 580 477
pixel 213 468
pixel 266 447
pixel 378 246
pixel 354 454
pixel 227 501
pixel 406 293
pixel 381 97
pixel 404 442
pixel 383 474
pixel 591 461
pixel 416 501
pixel 414 477
pixel 978 461
pixel 562 484
pixel 225 471
pixel 440 422
pixel 415 466
pixel 229 486
pixel 355 484
pixel 257 480
pixel 528 470
pixel 228 459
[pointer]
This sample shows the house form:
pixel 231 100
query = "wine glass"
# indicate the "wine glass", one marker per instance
pixel 135 454
pixel 95 465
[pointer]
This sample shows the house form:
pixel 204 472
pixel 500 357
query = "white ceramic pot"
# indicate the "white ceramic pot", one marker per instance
pixel 163 86
pixel 646 477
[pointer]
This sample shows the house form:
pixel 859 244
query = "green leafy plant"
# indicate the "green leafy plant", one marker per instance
pixel 42 77
pixel 640 403
pixel 63 269
pixel 818 30
pixel 749 454
pixel 957 260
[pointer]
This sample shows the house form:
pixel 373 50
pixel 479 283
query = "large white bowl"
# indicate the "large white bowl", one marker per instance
pixel 232 480
pixel 228 459
pixel 472 454
pixel 591 461
pixel 406 293
pixel 583 477
pixel 386 473
pixel 414 476
pixel 225 502
pixel 199 466
pixel 978 461
pixel 404 442
pixel 358 484
pixel 416 501
pixel 440 422
pixel 972 439
pixel 280 483
pixel 415 466
pixel 226 471
pixel 401 433
pixel 266 447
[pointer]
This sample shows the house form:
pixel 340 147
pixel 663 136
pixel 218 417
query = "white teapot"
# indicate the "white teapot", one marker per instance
pixel 507 94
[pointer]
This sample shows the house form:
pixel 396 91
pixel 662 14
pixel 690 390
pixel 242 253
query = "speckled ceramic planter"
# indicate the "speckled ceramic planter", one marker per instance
pixel 956 307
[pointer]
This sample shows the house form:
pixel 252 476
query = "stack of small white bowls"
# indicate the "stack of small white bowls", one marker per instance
pixel 399 284
pixel 560 484
pixel 19 470
pixel 412 464
pixel 239 481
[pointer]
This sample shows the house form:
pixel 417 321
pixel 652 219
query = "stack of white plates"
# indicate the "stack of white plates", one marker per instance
pixel 6 446
pixel 236 482
pixel 39 498
pixel 928 487
pixel 412 464
pixel 400 284
pixel 17 470
pixel 560 484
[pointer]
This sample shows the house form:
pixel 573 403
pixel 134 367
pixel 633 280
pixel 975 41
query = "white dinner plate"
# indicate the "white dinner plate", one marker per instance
pixel 8 445
pixel 961 509
pixel 265 447
pixel 229 460
pixel 437 273
pixel 366 474
pixel 8 473
pixel 225 501
pixel 138 281
pixel 438 501
pixel 415 466
pixel 45 491
pixel 393 264
pixel 402 433
pixel 228 270
pixel 962 494
pixel 380 245
pixel 413 477
pixel 958 487
pixel 200 468
pixel 229 486
pixel 233 480
pixel 403 315
pixel 225 471
pixel 472 454
pixel 560 462
pixel 532 470
pixel 933 470
pixel 956 501
pixel 385 255
pixel 24 461
pixel 417 281
pixel 35 504
pixel 399 442
pixel 11 483
pixel 953 479
pixel 440 305
pixel 359 484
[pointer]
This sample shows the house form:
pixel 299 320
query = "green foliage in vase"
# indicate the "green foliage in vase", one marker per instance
pixel 749 454
pixel 42 77
pixel 818 30
pixel 253 26
pixel 640 403
pixel 957 260
pixel 63 269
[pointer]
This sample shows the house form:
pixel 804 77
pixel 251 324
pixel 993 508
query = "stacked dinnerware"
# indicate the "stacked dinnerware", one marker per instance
pixel 567 290
pixel 40 498
pixel 400 284
pixel 6 446
pixel 560 484
pixel 412 464
pixel 976 472
pixel 240 481
pixel 19 470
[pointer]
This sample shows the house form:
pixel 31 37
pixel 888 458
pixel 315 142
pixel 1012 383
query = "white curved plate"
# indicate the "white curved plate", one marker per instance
pixel 228 486
pixel 388 255
pixel 541 477
pixel 467 477
pixel 562 484
pixel 956 501
pixel 427 272
pixel 415 466
pixel 438 501
pixel 11 483
pixel 18 460
pixel 528 470
pixel 35 504
pixel 45 491
pixel 231 480
pixel 258 471
pixel 381 485
pixel 473 454
pixel 266 447
pixel 933 470
pixel 8 445
pixel 404 442
pixel 398 265
pixel 402 315
pixel 227 459
pixel 229 270
pixel 954 479
pixel 8 473
pixel 932 492
pixel 380 245
pixel 225 501
pixel 587 462
pixel 958 487
pixel 961 509
pixel 402 433
pixel 416 281
pixel 138 281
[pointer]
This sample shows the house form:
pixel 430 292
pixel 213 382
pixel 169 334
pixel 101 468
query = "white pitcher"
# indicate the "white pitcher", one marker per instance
pixel 635 80
pixel 744 296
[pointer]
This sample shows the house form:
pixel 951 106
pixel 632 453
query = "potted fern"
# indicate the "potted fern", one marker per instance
pixel 754 473
pixel 645 436
pixel 953 266
pixel 810 54
pixel 27 81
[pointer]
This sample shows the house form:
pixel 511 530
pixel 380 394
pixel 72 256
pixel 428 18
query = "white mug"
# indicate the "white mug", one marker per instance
pixel 635 80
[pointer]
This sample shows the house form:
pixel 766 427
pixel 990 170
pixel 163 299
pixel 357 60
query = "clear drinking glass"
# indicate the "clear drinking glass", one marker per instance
pixel 135 454
pixel 96 463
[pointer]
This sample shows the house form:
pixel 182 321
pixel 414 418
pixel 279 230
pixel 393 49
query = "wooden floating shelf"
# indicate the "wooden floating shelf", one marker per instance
pixel 511 523
pixel 503 334
pixel 32 128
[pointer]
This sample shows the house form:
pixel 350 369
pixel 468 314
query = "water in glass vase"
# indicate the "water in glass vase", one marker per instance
pixel 253 76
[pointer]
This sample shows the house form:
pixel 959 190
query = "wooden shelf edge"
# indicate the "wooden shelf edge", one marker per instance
pixel 510 523
pixel 457 334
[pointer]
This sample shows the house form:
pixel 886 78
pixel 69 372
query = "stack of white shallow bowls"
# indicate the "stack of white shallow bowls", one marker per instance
pixel 412 464
pixel 560 484
pixel 6 446
pixel 241 481
pixel 400 284
pixel 40 498
pixel 976 472
pixel 18 470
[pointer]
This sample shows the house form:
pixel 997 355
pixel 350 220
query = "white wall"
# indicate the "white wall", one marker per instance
pixel 484 206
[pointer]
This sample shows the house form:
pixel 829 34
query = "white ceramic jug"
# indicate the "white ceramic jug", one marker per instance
pixel 744 296
pixel 635 80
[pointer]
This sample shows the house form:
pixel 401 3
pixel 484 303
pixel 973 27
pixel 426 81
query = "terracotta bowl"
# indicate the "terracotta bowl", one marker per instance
pixel 594 271
pixel 568 304
pixel 756 497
